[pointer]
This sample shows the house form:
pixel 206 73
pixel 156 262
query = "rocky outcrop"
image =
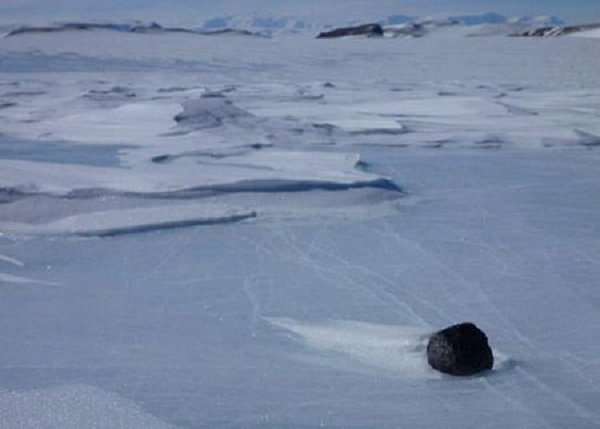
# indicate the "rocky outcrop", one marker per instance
pixel 368 30
pixel 136 27
pixel 460 350
pixel 558 31
pixel 233 32
pixel 410 29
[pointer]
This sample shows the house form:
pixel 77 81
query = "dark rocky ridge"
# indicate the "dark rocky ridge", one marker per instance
pixel 368 30
pixel 558 31
pixel 137 27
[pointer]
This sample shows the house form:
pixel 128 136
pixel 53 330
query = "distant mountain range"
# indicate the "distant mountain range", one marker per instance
pixel 398 25
pixel 487 24
pixel 271 25
pixel 131 27
pixel 494 18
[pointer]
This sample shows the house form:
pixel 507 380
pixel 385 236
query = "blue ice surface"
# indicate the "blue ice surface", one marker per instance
pixel 217 23
pixel 61 152
pixel 176 320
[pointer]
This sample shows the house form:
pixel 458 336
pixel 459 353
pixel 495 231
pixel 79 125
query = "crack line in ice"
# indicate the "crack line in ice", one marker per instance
pixel 12 261
pixel 560 396
pixel 7 278
pixel 114 232
pixel 346 272
pixel 449 271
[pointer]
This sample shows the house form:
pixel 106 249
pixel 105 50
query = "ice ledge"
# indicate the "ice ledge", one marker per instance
pixel 264 171
pixel 113 223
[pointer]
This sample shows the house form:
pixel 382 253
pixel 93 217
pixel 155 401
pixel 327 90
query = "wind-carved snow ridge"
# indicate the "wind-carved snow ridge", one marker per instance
pixel 148 196
pixel 260 171
pixel 216 150
pixel 114 223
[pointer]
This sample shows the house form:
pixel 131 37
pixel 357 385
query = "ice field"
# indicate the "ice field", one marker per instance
pixel 232 231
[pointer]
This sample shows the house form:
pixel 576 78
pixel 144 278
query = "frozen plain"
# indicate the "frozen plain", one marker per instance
pixel 237 232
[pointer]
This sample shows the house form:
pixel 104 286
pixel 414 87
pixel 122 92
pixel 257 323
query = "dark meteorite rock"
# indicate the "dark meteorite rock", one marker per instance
pixel 460 350
pixel 370 30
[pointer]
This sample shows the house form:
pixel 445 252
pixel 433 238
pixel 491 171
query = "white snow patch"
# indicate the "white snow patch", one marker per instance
pixel 8 278
pixel 11 261
pixel 209 112
pixel 592 34
pixel 441 107
pixel 132 122
pixel 73 407
pixel 396 350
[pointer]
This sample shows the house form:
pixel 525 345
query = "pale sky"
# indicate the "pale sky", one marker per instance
pixel 194 11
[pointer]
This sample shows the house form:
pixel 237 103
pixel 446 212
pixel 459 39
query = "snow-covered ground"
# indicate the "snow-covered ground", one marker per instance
pixel 229 231
pixel 589 33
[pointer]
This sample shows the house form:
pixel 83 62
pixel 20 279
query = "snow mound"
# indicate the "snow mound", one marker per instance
pixel 209 112
pixel 112 223
pixel 592 34
pixel 73 407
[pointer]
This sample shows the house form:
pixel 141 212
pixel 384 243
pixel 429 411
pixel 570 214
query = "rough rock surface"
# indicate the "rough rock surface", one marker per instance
pixel 360 30
pixel 557 31
pixel 461 349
